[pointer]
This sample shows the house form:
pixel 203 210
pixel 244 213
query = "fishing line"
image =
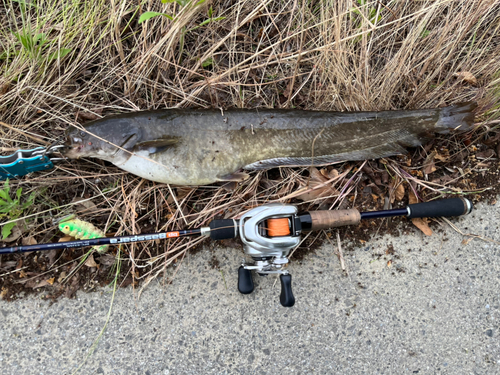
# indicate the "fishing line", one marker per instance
pixel 278 227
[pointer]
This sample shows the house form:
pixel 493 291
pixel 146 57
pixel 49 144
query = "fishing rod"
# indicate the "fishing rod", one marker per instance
pixel 269 233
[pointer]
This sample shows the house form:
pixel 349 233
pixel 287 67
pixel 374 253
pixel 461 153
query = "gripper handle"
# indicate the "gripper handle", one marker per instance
pixel 439 208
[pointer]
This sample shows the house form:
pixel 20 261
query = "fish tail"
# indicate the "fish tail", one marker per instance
pixel 458 117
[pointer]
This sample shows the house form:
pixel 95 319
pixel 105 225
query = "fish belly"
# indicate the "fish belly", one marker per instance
pixel 173 169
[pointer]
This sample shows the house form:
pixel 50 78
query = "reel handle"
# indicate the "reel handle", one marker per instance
pixel 286 297
pixel 245 281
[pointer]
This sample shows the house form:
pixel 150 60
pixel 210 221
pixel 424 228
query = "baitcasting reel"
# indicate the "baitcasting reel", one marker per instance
pixel 269 233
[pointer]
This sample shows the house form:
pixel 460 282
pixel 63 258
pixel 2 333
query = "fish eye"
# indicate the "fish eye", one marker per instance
pixel 82 134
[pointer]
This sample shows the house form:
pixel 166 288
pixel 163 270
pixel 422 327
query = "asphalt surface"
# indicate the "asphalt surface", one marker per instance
pixel 435 310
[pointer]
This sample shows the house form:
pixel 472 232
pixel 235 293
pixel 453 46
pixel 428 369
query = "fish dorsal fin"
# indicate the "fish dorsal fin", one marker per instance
pixel 156 145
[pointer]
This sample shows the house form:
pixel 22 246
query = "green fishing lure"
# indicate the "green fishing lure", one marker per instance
pixel 81 230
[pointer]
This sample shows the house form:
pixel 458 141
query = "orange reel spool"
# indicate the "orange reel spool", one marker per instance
pixel 278 227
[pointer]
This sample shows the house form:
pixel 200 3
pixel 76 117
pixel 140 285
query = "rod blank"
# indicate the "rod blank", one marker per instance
pixel 100 241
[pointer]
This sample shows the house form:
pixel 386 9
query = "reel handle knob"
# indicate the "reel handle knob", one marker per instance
pixel 245 281
pixel 286 298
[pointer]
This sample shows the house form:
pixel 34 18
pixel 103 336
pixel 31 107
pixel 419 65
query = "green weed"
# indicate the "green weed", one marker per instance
pixel 33 43
pixel 12 209
pixel 372 14
pixel 184 4
pixel 207 63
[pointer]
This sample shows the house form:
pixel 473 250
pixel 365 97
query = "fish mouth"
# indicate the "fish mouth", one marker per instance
pixel 72 149
pixel 72 152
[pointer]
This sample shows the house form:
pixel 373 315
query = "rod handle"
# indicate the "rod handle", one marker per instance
pixel 439 208
pixel 326 219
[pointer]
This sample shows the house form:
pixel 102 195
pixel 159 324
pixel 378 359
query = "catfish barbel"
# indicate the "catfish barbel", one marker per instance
pixel 197 147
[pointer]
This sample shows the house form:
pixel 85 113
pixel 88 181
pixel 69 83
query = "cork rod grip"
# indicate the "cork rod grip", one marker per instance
pixel 334 218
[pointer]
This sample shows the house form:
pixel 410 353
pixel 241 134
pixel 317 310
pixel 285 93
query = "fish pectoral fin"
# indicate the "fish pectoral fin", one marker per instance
pixel 236 177
pixel 229 186
pixel 156 145
pixel 131 138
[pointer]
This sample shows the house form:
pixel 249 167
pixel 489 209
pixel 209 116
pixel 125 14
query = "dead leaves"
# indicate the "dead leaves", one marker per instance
pixel 35 284
pixel 400 192
pixel 412 198
pixel 89 116
pixel 329 174
pixel 73 287
pixel 14 235
pixel 466 241
pixel 181 193
pixel 466 77
pixel 84 204
pixel 317 185
pixel 423 225
pixel 486 154
pixel 397 192
pixel 420 223
pixel 429 164
pixel 90 262
pixel 52 256
pixel 274 187
pixel 30 240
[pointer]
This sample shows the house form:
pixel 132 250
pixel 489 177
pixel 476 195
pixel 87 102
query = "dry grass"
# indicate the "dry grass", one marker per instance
pixel 329 55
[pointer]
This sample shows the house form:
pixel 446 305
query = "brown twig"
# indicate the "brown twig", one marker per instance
pixel 32 137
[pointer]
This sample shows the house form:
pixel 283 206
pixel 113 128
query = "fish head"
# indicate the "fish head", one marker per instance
pixel 102 141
